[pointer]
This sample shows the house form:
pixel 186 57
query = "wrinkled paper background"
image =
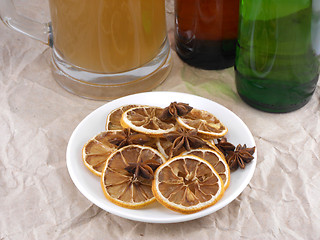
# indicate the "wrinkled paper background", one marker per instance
pixel 39 200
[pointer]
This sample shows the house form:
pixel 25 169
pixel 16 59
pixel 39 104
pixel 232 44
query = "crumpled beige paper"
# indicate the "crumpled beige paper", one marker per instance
pixel 39 200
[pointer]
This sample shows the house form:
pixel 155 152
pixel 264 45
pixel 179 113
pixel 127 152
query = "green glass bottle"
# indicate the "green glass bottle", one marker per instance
pixel 277 56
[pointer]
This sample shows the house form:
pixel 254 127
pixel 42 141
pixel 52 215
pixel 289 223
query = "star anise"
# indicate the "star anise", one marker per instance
pixel 144 169
pixel 175 110
pixel 128 137
pixel 240 157
pixel 182 138
pixel 225 146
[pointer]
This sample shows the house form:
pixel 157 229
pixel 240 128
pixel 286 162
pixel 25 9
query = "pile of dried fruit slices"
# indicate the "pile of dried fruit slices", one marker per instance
pixel 167 154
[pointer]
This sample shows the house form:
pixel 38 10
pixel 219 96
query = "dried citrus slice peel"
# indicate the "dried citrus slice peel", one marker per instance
pixel 216 160
pixel 206 123
pixel 122 183
pixel 97 150
pixel 187 184
pixel 114 117
pixel 146 119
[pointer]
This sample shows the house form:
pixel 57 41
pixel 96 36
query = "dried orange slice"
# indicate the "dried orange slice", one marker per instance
pixel 97 150
pixel 206 123
pixel 216 160
pixel 187 184
pixel 113 118
pixel 127 177
pixel 145 119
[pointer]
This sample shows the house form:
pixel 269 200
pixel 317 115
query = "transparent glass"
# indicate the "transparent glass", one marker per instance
pixel 277 60
pixel 206 32
pixel 102 49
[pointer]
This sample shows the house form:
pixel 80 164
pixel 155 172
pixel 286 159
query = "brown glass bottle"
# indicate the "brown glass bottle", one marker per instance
pixel 206 32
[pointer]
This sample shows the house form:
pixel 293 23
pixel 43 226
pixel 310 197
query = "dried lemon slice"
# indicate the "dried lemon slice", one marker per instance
pixel 206 123
pixel 127 177
pixel 212 145
pixel 113 118
pixel 217 160
pixel 164 146
pixel 187 184
pixel 97 150
pixel 146 119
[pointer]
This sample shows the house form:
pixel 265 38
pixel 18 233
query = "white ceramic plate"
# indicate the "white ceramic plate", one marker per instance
pixel 89 184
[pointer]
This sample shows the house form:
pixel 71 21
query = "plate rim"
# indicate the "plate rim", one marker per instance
pixel 175 218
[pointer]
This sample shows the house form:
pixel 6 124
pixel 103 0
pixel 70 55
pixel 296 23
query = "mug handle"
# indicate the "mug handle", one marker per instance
pixel 27 26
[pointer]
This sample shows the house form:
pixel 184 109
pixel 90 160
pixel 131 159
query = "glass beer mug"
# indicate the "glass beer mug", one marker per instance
pixel 102 49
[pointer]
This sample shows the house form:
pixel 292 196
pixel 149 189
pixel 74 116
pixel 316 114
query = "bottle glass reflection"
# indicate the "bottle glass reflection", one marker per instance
pixel 277 62
pixel 206 32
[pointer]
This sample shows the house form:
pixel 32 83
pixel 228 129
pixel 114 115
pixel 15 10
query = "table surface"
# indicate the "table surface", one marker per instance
pixel 39 200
